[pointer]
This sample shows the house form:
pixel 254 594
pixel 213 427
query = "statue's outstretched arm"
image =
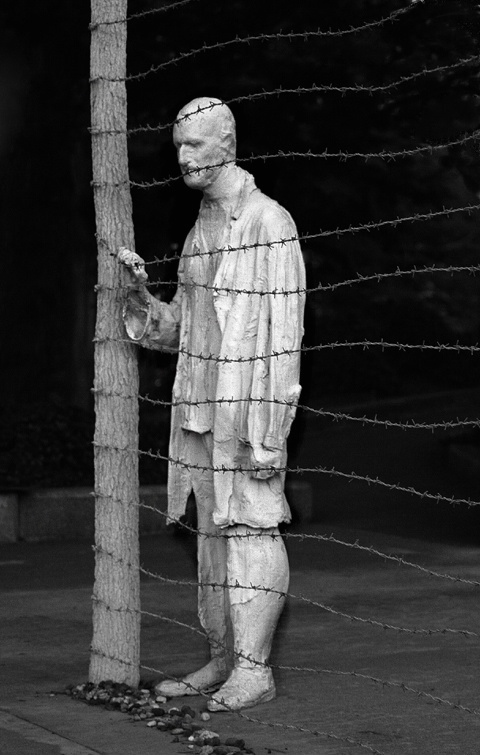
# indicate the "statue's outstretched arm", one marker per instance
pixel 148 321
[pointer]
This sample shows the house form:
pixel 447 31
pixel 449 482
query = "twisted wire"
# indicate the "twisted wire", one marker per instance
pixel 140 14
pixel 338 232
pixel 367 621
pixel 359 278
pixel 241 714
pixel 319 671
pixel 365 345
pixel 335 416
pixel 343 90
pixel 318 537
pixel 266 37
pixel 343 156
pixel 299 470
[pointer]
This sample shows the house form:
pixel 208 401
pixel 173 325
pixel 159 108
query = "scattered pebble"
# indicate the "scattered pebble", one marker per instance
pixel 142 705
pixel 236 742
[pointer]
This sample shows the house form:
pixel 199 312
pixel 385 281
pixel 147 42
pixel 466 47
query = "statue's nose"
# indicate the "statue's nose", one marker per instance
pixel 182 156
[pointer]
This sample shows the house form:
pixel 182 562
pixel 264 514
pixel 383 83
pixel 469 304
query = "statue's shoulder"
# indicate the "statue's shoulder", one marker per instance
pixel 267 211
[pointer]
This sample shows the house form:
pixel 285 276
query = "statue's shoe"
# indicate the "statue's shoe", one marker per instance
pixel 212 674
pixel 246 687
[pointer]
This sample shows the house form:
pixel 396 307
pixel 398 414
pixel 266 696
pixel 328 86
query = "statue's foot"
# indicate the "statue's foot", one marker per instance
pixel 246 687
pixel 212 674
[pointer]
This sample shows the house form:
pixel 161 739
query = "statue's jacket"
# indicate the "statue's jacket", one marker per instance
pixel 256 292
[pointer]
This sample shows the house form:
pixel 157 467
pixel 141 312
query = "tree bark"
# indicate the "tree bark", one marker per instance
pixel 116 604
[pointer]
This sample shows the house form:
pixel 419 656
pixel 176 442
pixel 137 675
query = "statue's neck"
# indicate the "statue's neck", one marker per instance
pixel 225 189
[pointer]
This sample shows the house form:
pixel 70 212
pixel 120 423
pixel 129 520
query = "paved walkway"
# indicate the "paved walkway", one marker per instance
pixel 409 688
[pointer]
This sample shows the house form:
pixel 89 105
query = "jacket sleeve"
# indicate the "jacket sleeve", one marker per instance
pixel 151 323
pixel 280 331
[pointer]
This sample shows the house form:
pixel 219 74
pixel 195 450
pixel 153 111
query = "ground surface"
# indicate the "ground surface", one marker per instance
pixel 385 669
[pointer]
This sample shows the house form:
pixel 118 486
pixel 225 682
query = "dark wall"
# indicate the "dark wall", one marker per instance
pixel 46 214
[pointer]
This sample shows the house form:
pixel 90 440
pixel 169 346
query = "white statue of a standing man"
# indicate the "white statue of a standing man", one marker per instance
pixel 227 317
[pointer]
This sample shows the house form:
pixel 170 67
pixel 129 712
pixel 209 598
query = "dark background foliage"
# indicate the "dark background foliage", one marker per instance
pixel 47 304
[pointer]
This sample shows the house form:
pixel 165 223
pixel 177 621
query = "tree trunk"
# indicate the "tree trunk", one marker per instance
pixel 116 618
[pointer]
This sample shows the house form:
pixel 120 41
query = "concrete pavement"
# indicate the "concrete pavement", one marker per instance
pixel 386 670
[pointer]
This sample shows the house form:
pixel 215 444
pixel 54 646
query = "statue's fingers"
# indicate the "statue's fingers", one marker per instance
pixel 123 255
pixel 140 273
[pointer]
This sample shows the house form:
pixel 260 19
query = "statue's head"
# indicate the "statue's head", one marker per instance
pixel 204 134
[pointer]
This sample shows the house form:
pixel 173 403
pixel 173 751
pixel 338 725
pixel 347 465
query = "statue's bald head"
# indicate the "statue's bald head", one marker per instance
pixel 209 114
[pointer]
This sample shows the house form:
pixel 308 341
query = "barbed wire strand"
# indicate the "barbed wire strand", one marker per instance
pixel 367 621
pixel 335 416
pixel 389 684
pixel 311 602
pixel 241 714
pixel 319 469
pixel 356 546
pixel 313 88
pixel 272 37
pixel 141 14
pixel 360 278
pixel 340 231
pixel 322 671
pixel 342 156
pixel 364 345
pixel 265 37
pixel 314 670
pixel 287 535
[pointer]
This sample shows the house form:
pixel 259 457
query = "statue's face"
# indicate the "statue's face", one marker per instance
pixel 199 144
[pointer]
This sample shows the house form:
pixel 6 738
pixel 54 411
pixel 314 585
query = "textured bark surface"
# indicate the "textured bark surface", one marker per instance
pixel 116 619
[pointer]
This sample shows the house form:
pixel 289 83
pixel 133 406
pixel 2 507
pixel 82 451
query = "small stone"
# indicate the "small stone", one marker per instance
pixel 152 723
pixel 237 742
pixel 187 711
pixel 205 716
pixel 174 712
pixel 161 699
pixel 177 731
pixel 187 718
pixel 206 749
pixel 162 726
pixel 207 737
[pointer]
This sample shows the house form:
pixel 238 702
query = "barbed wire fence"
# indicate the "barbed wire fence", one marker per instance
pixel 117 612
